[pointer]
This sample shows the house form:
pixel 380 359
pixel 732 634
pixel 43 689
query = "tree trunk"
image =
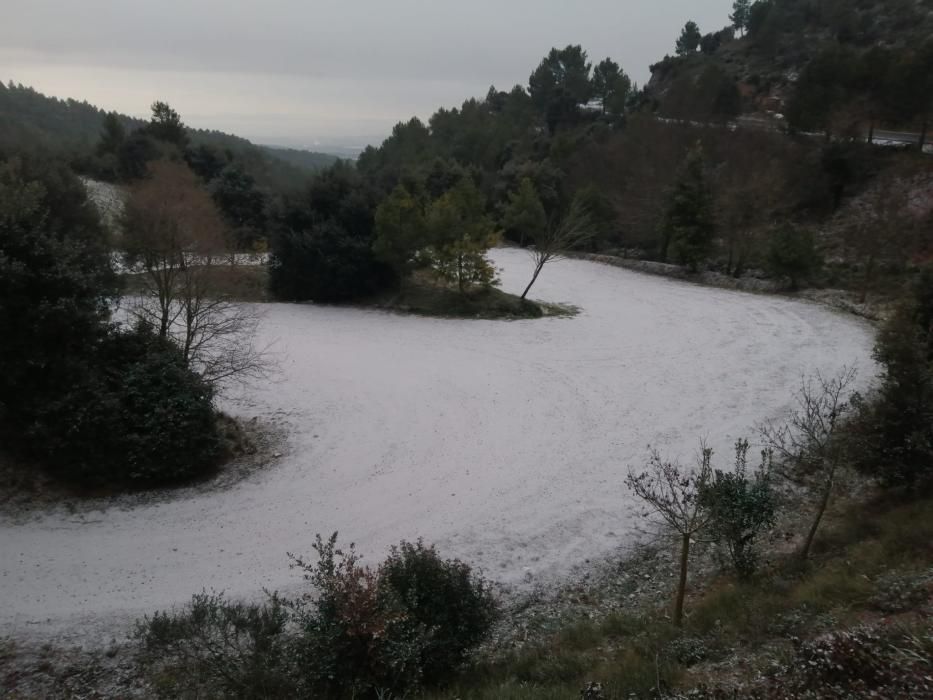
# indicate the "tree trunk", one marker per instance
pixel 923 133
pixel 866 282
pixel 460 273
pixel 665 247
pixel 871 131
pixel 682 585
pixel 534 278
pixel 824 502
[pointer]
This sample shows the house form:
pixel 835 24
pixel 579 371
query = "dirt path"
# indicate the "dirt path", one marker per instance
pixel 504 442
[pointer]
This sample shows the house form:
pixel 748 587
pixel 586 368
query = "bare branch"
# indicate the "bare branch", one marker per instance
pixel 806 443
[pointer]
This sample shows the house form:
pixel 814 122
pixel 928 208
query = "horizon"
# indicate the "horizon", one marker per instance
pixel 293 75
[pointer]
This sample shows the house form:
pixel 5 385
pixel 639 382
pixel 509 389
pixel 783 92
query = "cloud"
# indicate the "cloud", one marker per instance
pixel 320 68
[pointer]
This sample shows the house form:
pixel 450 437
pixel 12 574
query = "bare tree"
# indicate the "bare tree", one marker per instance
pixel 807 442
pixel 573 230
pixel 675 495
pixel 176 239
pixel 217 336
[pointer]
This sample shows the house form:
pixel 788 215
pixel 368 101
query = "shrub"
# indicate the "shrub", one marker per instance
pixel 218 648
pixel 740 507
pixel 324 263
pixel 453 606
pixel 358 632
pixel 792 254
pixel 846 661
pixel 351 640
pixel 135 414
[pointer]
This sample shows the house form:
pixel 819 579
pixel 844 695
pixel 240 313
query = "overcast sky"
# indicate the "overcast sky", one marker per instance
pixel 325 72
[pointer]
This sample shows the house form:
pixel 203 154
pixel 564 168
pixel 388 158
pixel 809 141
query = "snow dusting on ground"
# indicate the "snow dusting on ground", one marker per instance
pixel 506 443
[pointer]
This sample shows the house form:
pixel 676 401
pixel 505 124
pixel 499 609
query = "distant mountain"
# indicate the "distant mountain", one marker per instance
pixel 30 119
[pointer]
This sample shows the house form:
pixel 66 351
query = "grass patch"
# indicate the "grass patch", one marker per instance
pixel 425 299
pixel 875 558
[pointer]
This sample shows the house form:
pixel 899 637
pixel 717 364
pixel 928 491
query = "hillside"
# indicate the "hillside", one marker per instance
pixel 759 66
pixel 27 117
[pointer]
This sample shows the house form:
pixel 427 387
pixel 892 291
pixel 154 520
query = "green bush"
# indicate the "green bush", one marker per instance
pixel 351 640
pixel 452 606
pixel 741 506
pixel 792 254
pixel 134 414
pixel 325 264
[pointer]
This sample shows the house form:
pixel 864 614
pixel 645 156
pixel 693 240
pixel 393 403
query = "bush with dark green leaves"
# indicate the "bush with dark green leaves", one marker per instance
pixel 741 506
pixel 792 254
pixel 323 246
pixel 325 263
pixel 453 608
pixel 135 414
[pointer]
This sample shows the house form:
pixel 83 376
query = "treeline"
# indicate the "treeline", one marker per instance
pixel 840 67
pixel 436 196
pixel 842 90
pixel 71 129
pixel 729 200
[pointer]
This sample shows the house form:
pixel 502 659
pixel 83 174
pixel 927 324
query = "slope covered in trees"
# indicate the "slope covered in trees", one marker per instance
pixel 827 65
pixel 29 118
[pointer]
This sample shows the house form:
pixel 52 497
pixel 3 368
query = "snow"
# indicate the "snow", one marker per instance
pixel 506 443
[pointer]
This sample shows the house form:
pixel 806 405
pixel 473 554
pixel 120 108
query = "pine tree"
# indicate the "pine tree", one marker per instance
pixel 112 136
pixel 461 234
pixel 740 13
pixel 689 40
pixel 689 226
pixel 524 214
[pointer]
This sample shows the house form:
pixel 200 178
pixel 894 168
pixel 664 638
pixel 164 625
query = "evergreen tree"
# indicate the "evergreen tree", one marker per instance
pixel 689 225
pixel 112 136
pixel 243 205
pixel 893 436
pixel 400 230
pixel 689 40
pixel 740 13
pixel 524 215
pixel 166 125
pixel 611 86
pixel 461 233
pixel 560 84
pixel 55 284
pixel 793 254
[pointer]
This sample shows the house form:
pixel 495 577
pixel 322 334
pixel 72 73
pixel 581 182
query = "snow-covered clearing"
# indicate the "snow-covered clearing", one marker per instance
pixel 505 443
